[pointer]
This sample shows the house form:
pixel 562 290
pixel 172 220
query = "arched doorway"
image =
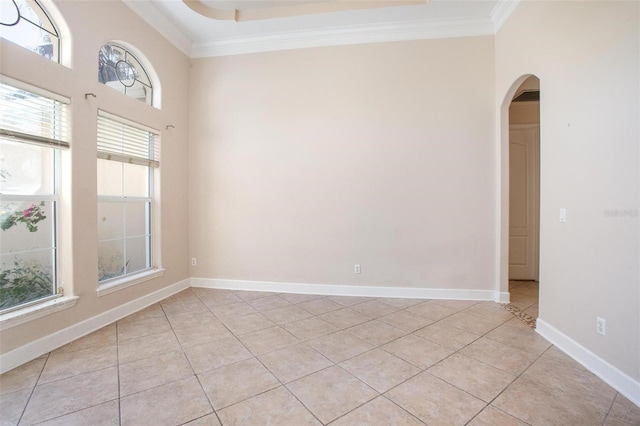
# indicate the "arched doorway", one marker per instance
pixel 520 190
pixel 524 199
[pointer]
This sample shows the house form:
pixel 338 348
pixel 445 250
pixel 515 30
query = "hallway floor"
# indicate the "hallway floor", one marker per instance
pixel 214 357
pixel 524 301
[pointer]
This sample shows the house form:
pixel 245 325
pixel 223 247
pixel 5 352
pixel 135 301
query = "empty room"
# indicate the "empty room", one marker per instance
pixel 322 212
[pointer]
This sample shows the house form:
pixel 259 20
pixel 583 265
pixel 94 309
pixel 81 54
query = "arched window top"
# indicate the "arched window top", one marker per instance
pixel 120 69
pixel 26 23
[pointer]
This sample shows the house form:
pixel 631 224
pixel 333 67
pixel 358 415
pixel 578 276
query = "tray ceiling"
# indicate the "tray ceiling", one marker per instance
pixel 204 28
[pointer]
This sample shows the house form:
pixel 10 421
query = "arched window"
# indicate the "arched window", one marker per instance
pixel 26 23
pixel 120 69
pixel 128 164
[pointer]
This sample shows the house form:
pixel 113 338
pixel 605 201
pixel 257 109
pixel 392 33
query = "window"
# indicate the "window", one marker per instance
pixel 26 23
pixel 127 157
pixel 118 68
pixel 33 128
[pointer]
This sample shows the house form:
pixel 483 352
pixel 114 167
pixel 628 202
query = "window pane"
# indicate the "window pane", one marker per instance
pixel 26 225
pixel 137 218
pixel 110 259
pixel 137 254
pixel 136 180
pixel 26 277
pixel 109 177
pixel 120 70
pixel 26 169
pixel 29 28
pixel 111 222
pixel 139 91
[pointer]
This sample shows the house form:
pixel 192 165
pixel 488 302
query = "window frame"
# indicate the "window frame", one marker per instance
pixel 57 144
pixel 154 269
pixel 150 99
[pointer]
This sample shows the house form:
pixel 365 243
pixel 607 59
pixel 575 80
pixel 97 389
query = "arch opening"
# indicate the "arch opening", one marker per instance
pixel 520 195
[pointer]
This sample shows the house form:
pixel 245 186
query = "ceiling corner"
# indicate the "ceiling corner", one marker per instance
pixel 156 19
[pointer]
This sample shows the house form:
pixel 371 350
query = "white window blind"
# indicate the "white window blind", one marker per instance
pixel 26 116
pixel 119 141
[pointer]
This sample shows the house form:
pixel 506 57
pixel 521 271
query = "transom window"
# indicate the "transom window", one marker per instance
pixel 33 128
pixel 120 69
pixel 127 156
pixel 26 23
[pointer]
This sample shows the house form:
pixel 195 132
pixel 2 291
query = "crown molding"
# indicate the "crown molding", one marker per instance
pixel 362 34
pixel 156 19
pixel 501 12
pixel 401 31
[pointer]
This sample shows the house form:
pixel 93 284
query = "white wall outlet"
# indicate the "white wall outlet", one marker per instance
pixel 601 326
pixel 356 269
pixel 194 261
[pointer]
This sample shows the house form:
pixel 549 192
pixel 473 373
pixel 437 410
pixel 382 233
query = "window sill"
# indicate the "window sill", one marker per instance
pixel 128 281
pixel 21 316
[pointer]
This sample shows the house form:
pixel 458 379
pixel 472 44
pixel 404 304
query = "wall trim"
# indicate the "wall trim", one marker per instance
pixel 35 311
pixel 36 348
pixel 345 290
pixel 361 34
pixel 620 381
pixel 502 297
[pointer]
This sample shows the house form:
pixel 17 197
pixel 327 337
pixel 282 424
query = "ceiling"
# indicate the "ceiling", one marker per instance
pixel 204 28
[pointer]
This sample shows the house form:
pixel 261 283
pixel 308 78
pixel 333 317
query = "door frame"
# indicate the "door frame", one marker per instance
pixel 502 191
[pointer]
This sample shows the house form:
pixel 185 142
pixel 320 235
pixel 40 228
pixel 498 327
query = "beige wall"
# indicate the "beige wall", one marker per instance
pixel 91 25
pixel 306 162
pixel 586 55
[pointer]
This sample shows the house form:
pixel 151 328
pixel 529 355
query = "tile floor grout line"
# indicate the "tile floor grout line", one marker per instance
pixel 499 409
pixel 402 408
pixel 302 403
pixel 33 389
pixel 354 409
pixel 518 376
pixel 613 401
pixel 208 399
pixel 75 411
pixel 343 369
pixel 73 376
pixel 118 373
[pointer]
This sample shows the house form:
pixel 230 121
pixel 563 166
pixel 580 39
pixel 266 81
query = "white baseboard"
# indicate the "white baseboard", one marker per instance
pixel 34 349
pixel 346 290
pixel 502 297
pixel 620 381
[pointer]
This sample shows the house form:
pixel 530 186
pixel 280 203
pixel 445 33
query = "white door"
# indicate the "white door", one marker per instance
pixel 524 196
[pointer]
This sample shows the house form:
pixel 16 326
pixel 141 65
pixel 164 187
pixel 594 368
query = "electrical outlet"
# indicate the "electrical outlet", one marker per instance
pixel 356 269
pixel 601 326
pixel 194 261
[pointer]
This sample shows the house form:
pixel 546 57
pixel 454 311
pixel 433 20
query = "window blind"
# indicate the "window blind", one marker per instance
pixel 120 141
pixel 30 117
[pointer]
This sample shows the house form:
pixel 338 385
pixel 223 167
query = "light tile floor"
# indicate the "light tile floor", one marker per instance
pixel 211 357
